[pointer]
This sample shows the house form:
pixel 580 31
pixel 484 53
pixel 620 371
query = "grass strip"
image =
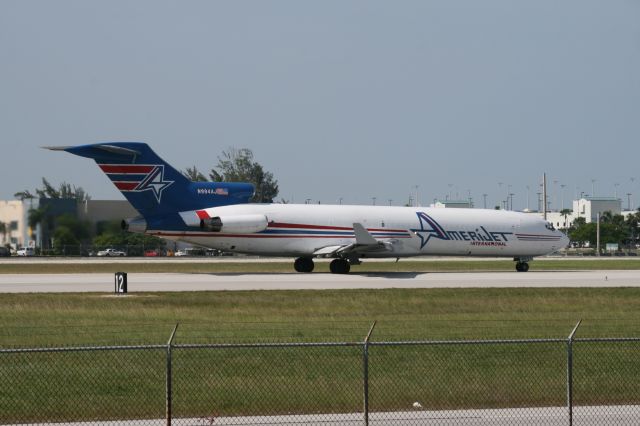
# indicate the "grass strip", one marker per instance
pixel 115 385
pixel 323 267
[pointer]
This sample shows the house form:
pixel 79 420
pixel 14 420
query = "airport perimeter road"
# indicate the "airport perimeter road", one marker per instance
pixel 145 282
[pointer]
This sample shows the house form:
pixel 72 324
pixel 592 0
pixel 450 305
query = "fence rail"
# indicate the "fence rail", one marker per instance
pixel 470 382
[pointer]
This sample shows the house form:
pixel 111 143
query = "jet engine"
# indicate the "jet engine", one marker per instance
pixel 136 224
pixel 237 224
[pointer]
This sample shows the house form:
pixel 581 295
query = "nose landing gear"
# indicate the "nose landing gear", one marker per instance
pixel 522 263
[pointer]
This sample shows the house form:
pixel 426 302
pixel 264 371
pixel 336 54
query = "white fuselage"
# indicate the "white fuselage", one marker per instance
pixel 302 230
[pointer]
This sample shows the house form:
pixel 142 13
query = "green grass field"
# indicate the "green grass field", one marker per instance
pixel 287 267
pixel 276 316
pixel 240 381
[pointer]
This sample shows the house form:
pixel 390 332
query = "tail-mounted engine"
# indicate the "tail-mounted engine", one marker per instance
pixel 136 224
pixel 237 224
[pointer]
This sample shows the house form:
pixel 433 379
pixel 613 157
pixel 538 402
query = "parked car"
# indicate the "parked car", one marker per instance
pixel 26 251
pixel 111 252
pixel 152 253
pixel 5 252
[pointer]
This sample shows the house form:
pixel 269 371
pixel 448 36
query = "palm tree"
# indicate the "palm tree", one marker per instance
pixel 606 217
pixel 565 213
pixel 40 217
pixel 194 174
pixel 3 230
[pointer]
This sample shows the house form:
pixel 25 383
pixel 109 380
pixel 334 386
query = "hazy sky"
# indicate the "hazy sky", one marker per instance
pixel 351 99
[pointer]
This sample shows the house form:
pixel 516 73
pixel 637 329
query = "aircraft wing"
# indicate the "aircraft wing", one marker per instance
pixel 365 243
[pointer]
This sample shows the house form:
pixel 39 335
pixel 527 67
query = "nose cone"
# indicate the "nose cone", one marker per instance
pixel 564 240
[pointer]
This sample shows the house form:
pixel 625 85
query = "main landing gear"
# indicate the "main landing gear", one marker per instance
pixel 303 264
pixel 522 265
pixel 337 266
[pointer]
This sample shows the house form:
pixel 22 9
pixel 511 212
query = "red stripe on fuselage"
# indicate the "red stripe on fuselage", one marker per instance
pixel 219 235
pixel 202 214
pixel 330 228
pixel 124 169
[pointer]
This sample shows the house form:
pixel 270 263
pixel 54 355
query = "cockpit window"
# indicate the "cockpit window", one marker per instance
pixel 549 226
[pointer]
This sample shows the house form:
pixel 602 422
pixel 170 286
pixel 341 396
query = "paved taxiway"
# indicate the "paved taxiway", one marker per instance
pixel 145 282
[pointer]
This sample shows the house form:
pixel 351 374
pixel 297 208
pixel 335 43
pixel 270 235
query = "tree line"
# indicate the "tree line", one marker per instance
pixel 614 228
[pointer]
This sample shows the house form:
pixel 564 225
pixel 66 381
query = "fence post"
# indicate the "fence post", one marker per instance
pixel 168 382
pixel 570 372
pixel 365 378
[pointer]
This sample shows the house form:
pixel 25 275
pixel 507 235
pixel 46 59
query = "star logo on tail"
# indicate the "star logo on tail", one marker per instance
pixel 154 182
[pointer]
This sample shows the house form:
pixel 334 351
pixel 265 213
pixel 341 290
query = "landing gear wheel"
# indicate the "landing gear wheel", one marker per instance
pixel 303 264
pixel 522 266
pixel 339 266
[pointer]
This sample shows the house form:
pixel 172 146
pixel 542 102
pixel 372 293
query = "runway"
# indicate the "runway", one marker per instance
pixel 167 282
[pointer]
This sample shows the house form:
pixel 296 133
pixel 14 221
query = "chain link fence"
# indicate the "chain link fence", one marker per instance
pixel 483 382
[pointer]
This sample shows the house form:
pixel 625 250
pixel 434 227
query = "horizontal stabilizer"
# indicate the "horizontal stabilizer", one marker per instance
pixel 118 150
pixel 103 147
pixel 56 148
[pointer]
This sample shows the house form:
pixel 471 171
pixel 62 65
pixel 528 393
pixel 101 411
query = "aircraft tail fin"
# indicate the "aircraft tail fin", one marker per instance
pixel 151 184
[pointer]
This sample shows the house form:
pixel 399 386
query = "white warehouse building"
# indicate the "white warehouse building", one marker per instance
pixel 588 208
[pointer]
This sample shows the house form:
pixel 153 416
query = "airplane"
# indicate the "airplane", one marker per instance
pixel 218 215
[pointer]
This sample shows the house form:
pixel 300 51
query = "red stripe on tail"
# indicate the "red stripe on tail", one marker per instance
pixel 123 169
pixel 126 186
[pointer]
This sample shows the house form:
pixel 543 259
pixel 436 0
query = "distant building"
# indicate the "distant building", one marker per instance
pixel 96 211
pixel 15 214
pixel 588 208
pixel 453 204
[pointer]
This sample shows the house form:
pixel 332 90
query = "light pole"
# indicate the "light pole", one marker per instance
pixel 484 196
pixel 340 200
pixel 615 191
pixel 390 200
pixel 598 234
pixel 555 194
pixel 629 201
pixel 593 187
pixel 562 185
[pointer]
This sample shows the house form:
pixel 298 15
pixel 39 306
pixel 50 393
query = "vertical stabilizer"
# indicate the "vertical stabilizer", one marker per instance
pixel 154 187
